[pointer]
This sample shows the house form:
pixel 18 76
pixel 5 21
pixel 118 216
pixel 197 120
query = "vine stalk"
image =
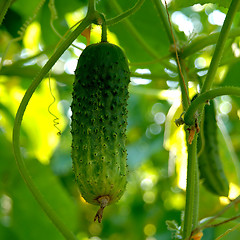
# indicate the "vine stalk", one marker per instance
pixel 92 17
pixel 220 45
pixel 164 18
pixel 183 84
pixel 91 6
pixel 17 125
pixel 190 208
pixel 4 6
pixel 104 28
pixel 189 116
pixel 125 14
pixel 192 190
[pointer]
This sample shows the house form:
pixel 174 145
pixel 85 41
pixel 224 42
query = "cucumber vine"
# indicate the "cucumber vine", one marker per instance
pixel 190 225
pixel 91 17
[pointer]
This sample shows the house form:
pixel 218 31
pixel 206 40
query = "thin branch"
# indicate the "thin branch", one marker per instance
pixel 228 231
pixel 128 24
pixel 91 6
pixel 220 45
pixel 17 126
pixel 207 223
pixel 185 95
pixel 125 14
pixel 29 72
pixel 155 61
pixel 4 6
pixel 201 42
pixel 190 196
pixel 223 222
pixel 165 20
pixel 189 116
pixel 152 76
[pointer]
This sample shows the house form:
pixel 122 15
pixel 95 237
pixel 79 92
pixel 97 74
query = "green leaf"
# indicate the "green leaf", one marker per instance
pixel 174 228
pixel 149 26
pixel 172 225
pixel 7 233
pixel 232 79
pixel 27 10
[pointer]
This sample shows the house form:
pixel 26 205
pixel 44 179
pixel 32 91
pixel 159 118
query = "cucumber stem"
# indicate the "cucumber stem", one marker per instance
pixel 91 6
pixel 189 116
pixel 103 201
pixel 191 210
pixel 104 28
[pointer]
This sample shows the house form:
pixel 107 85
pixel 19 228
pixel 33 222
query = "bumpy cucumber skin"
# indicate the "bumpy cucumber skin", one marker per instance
pixel 99 121
pixel 210 166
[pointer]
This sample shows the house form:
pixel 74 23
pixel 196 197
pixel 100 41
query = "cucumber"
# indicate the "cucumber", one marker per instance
pixel 210 166
pixel 98 126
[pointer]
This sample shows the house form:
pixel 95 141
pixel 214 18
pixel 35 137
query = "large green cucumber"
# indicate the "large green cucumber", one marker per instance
pixel 210 166
pixel 99 120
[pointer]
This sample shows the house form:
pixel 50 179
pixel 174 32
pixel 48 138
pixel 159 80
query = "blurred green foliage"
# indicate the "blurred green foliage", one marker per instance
pixel 156 147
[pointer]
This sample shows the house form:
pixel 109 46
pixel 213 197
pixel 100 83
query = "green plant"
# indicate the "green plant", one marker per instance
pixel 156 57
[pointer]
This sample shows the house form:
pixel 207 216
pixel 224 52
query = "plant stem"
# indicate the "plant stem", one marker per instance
pixel 227 61
pixel 148 49
pixel 21 61
pixel 134 32
pixel 201 42
pixel 91 6
pixel 191 210
pixel 104 29
pixel 158 60
pixel 189 116
pixel 126 14
pixel 224 221
pixel 152 76
pixel 182 80
pixel 228 231
pixel 4 5
pixel 164 17
pixel 29 72
pixel 196 195
pixel 7 49
pixel 18 120
pixel 149 92
pixel 183 84
pixel 207 223
pixel 220 45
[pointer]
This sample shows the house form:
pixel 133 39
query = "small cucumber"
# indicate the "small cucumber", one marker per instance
pixel 98 127
pixel 210 166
